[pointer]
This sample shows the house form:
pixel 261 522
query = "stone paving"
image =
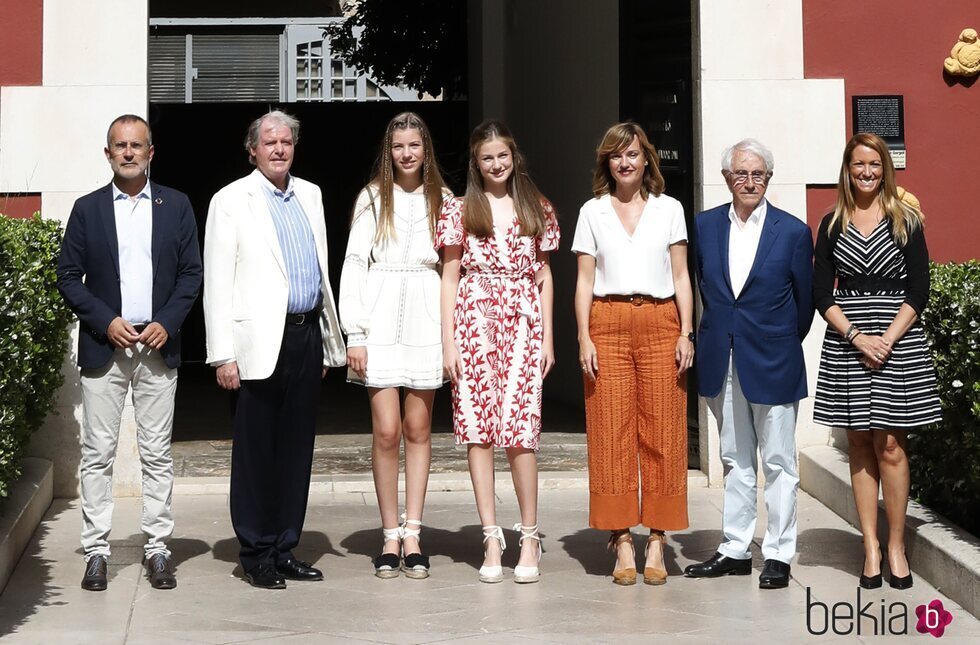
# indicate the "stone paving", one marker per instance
pixel 575 602
pixel 351 453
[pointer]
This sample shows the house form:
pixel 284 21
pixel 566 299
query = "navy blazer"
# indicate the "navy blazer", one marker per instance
pixel 88 270
pixel 763 328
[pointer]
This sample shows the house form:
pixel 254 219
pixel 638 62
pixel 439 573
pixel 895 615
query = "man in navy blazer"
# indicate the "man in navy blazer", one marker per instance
pixel 755 269
pixel 130 269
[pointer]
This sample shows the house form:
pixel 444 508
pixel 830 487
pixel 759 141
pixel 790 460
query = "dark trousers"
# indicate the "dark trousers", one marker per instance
pixel 272 451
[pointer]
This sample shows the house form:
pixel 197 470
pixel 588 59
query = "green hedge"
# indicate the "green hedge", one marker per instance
pixel 945 458
pixel 33 334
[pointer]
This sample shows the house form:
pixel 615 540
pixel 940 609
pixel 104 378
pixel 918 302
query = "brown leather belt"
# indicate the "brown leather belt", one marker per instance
pixel 635 299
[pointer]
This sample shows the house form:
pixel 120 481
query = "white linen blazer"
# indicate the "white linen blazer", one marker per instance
pixel 245 283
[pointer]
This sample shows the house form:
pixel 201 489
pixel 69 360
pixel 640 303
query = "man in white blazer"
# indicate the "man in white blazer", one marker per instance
pixel 272 332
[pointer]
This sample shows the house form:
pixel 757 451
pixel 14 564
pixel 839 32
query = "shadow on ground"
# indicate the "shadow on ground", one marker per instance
pixel 32 576
pixel 313 545
pixel 589 548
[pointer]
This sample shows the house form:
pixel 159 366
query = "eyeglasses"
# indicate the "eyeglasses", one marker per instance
pixel 742 176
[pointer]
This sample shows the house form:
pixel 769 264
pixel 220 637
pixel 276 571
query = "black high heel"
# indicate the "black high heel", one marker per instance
pixel 870 582
pixel 901 583
pixel 905 582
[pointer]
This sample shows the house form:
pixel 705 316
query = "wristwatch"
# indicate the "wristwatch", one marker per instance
pixel 689 335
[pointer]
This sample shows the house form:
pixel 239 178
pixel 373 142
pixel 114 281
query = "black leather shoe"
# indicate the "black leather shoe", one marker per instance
pixel 293 569
pixel 719 565
pixel 95 574
pixel 160 571
pixel 775 575
pixel 264 576
pixel 901 583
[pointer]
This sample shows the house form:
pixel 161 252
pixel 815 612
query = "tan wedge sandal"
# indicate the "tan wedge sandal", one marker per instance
pixel 626 576
pixel 655 575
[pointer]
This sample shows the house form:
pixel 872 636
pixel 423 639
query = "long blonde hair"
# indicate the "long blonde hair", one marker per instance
pixel 528 200
pixel 902 217
pixel 617 139
pixel 383 177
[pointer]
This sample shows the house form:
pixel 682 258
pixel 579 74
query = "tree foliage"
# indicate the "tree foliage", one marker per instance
pixel 419 44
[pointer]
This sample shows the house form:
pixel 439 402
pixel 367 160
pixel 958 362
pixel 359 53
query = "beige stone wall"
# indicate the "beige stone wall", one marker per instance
pixel 751 84
pixel 52 136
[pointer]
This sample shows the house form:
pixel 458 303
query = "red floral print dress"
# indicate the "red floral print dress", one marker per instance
pixel 498 331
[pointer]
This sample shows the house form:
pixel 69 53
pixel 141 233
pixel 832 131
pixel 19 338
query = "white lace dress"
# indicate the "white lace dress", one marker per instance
pixel 389 295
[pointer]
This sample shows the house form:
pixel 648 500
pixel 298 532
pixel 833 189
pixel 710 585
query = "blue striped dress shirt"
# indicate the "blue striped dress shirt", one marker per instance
pixel 297 246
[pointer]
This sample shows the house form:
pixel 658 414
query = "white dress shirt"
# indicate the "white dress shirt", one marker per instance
pixel 134 233
pixel 631 264
pixel 743 242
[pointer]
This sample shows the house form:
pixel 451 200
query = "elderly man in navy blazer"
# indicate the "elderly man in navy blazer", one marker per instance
pixel 755 269
pixel 130 269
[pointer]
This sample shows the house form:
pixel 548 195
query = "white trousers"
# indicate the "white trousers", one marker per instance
pixel 103 396
pixel 747 429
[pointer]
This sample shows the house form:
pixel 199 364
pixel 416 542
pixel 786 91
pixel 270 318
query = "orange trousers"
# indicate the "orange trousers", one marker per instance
pixel 636 418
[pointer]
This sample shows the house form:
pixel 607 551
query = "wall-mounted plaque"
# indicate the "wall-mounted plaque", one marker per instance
pixel 666 108
pixel 883 115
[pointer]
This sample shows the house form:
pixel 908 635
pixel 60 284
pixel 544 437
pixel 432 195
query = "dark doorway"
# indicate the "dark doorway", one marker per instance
pixel 655 81
pixel 200 148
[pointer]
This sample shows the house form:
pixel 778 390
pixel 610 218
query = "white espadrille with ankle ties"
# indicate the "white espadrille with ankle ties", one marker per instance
pixel 526 575
pixel 496 573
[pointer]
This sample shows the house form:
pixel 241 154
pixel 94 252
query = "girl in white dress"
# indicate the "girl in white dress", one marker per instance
pixel 389 308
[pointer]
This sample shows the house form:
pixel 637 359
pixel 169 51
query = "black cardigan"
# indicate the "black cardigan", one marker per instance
pixel 825 271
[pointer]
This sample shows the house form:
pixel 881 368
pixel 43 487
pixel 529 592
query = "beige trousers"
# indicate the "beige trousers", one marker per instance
pixel 104 393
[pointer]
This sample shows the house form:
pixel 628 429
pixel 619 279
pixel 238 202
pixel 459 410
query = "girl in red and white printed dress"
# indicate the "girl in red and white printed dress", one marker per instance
pixel 497 344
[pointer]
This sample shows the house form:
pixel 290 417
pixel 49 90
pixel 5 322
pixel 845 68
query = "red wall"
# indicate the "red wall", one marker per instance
pixel 898 47
pixel 21 38
pixel 19 205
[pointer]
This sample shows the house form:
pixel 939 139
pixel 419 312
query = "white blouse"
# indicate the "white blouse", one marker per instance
pixel 625 264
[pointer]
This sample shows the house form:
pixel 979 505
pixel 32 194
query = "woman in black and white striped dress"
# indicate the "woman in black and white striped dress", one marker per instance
pixel 876 375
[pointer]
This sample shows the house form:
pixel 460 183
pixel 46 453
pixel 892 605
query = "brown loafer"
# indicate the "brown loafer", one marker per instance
pixel 627 575
pixel 655 575
pixel 160 571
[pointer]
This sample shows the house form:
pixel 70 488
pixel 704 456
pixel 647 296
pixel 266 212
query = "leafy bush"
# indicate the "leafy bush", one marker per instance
pixel 33 334
pixel 945 458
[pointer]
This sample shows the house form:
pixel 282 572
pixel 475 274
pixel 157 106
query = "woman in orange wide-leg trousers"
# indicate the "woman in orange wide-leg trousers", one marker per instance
pixel 634 306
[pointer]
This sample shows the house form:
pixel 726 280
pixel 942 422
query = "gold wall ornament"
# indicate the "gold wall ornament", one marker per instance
pixel 964 58
pixel 909 198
